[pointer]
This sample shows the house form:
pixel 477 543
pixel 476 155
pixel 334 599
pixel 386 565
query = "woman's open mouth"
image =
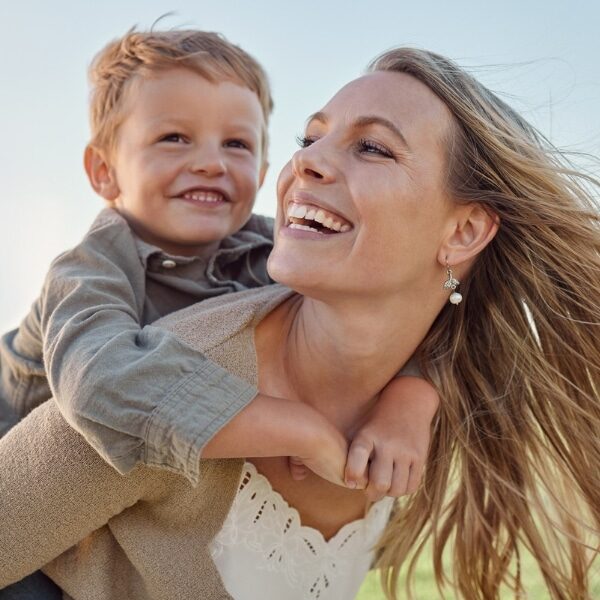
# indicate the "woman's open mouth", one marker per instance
pixel 312 218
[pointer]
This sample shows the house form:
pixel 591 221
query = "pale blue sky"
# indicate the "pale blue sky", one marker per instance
pixel 541 54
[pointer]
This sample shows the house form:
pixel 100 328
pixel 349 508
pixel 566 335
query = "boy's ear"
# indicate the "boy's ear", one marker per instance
pixel 472 229
pixel 263 171
pixel 100 174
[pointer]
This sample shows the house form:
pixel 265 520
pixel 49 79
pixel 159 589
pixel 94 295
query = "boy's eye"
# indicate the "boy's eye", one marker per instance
pixel 237 143
pixel 370 147
pixel 176 138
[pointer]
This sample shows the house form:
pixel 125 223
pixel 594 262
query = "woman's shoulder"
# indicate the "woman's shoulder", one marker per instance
pixel 209 323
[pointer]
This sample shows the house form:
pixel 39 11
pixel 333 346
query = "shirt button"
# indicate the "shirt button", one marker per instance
pixel 168 263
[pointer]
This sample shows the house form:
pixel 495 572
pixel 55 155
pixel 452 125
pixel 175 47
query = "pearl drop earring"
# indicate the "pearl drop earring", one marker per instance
pixel 451 284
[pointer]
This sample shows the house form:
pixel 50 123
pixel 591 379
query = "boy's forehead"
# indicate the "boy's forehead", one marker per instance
pixel 181 97
pixel 167 92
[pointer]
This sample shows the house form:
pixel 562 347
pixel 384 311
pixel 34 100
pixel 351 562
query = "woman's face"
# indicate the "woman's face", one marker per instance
pixel 362 206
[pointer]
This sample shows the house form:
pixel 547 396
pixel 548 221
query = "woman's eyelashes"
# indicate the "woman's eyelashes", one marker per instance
pixel 362 146
pixel 304 141
pixel 366 146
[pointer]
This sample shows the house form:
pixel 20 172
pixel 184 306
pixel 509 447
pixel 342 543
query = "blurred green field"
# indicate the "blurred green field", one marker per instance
pixel 425 588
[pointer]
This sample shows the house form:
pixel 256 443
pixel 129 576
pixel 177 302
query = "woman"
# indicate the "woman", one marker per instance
pixel 436 182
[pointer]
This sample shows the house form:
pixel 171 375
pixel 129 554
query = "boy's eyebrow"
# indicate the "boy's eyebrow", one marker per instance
pixel 168 120
pixel 365 121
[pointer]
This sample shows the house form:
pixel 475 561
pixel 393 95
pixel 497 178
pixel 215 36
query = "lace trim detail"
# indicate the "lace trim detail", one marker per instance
pixel 261 520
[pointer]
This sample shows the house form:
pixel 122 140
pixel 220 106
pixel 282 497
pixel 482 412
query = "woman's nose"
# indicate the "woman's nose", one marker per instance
pixel 311 163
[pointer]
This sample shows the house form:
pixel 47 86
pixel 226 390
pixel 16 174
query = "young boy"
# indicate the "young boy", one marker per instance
pixel 179 139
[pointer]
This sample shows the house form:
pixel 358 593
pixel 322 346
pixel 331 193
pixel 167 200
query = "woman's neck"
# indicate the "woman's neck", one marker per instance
pixel 337 356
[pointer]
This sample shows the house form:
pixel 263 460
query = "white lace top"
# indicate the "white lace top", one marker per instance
pixel 263 552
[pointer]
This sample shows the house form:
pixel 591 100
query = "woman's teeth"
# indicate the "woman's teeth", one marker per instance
pixel 327 221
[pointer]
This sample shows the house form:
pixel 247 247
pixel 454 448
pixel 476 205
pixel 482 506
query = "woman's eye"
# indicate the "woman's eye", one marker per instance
pixel 371 147
pixel 304 141
pixel 176 138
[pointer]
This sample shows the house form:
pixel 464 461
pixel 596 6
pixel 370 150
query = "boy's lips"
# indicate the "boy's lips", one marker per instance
pixel 210 195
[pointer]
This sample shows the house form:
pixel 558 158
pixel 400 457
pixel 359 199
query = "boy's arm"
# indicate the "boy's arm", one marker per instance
pixel 135 394
pixel 56 491
pixel 388 453
pixel 277 427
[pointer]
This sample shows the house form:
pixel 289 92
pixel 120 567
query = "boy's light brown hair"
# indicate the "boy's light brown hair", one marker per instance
pixel 143 53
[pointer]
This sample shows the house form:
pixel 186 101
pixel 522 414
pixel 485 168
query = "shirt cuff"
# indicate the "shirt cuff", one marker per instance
pixel 191 414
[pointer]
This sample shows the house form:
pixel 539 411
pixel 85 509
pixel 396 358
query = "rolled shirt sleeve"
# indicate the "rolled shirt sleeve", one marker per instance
pixel 136 394
pixel 23 382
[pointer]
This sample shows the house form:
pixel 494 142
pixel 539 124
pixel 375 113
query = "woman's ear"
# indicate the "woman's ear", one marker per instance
pixel 473 228
pixel 100 174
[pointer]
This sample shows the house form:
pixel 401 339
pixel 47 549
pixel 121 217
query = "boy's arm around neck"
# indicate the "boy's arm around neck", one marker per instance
pixel 135 394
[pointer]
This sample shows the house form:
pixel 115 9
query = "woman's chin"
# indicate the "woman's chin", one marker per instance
pixel 299 275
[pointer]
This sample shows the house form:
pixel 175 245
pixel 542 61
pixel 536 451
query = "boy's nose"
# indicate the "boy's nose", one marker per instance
pixel 208 162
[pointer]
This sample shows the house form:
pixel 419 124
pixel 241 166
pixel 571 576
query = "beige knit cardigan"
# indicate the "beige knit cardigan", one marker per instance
pixel 103 536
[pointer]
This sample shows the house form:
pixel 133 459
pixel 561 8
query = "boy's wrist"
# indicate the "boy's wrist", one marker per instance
pixel 413 391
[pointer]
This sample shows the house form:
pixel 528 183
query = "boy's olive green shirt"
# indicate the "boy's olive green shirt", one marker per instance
pixel 135 392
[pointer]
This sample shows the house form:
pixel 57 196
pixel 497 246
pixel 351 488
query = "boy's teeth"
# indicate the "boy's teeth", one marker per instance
pixel 203 196
pixel 310 215
pixel 328 222
pixel 320 216
pixel 336 225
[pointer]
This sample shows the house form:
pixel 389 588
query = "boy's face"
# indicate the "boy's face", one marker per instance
pixel 187 161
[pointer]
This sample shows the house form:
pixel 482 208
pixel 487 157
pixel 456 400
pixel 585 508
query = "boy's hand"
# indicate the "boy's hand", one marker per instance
pixel 388 453
pixel 325 456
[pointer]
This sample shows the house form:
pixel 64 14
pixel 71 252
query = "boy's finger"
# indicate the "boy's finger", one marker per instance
pixel 298 470
pixel 414 477
pixel 380 477
pixel 355 473
pixel 400 480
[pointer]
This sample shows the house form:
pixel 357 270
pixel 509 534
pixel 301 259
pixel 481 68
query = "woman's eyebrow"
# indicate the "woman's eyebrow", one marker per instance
pixel 376 120
pixel 365 122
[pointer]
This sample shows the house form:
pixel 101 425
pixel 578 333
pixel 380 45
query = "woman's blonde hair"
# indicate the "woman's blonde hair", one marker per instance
pixel 515 455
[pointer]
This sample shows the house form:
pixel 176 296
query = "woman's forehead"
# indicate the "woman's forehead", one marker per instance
pixel 397 97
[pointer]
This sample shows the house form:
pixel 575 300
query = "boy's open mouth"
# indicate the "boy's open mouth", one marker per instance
pixel 204 195
pixel 313 218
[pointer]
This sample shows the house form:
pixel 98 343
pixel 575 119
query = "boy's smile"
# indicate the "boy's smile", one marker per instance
pixel 188 159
